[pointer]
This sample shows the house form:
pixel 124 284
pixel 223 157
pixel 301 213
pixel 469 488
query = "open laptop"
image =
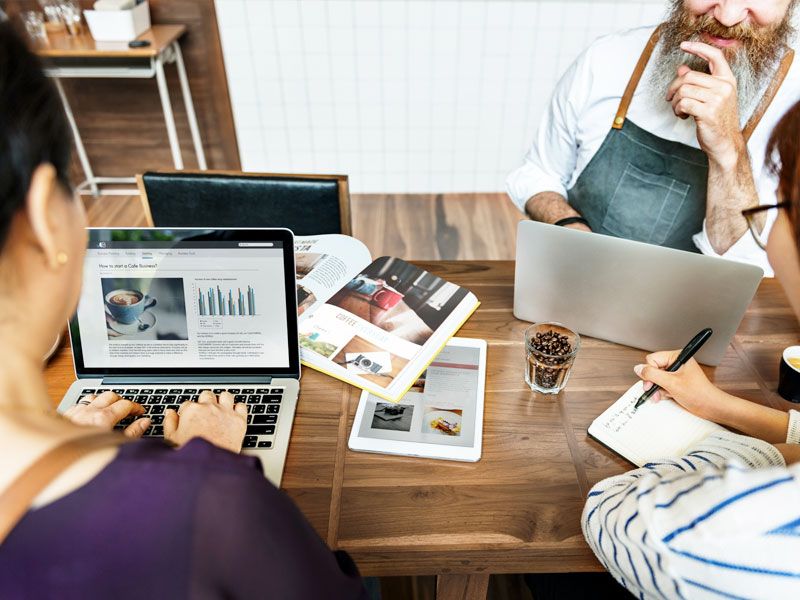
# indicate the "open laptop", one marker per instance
pixel 167 313
pixel 628 292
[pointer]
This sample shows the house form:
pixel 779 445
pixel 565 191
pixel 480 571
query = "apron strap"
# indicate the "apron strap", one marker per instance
pixel 636 76
pixel 752 123
pixel 769 95
pixel 18 497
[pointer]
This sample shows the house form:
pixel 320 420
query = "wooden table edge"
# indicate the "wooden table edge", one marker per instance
pixel 171 33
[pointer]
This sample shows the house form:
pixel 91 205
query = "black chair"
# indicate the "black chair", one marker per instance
pixel 306 204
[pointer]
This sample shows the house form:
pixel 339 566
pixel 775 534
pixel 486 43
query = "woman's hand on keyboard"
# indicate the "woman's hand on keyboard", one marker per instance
pixel 217 420
pixel 106 410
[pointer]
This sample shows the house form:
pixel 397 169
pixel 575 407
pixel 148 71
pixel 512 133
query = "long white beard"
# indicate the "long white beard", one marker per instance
pixel 749 84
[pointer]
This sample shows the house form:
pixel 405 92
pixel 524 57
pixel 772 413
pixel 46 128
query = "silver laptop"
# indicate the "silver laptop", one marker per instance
pixel 628 292
pixel 167 313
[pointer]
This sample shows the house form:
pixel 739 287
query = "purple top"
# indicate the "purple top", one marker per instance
pixel 198 522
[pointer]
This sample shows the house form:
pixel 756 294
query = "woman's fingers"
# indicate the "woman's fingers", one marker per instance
pixel 123 408
pixel 137 428
pixel 207 397
pixel 170 423
pixel 663 359
pixel 654 374
pixel 104 400
pixel 241 408
pixel 226 399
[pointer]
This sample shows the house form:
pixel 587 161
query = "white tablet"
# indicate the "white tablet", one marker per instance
pixel 441 416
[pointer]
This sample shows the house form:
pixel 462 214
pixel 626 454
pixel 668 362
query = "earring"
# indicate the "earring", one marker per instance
pixel 62 258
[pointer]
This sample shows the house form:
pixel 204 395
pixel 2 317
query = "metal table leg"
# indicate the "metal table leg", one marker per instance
pixel 82 156
pixel 172 133
pixel 187 100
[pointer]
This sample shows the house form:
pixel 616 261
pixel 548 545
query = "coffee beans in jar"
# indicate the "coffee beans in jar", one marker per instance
pixel 550 355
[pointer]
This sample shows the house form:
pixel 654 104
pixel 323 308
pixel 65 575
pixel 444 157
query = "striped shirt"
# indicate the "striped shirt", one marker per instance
pixel 721 522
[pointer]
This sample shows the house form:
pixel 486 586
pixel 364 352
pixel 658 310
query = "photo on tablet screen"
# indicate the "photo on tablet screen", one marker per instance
pixel 442 421
pixel 392 417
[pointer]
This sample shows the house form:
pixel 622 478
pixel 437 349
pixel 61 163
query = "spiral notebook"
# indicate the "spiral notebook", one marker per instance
pixel 656 430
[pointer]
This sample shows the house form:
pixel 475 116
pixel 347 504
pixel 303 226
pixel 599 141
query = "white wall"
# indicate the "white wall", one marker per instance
pixel 403 95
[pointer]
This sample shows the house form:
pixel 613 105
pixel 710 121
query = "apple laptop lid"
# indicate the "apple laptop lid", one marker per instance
pixel 177 303
pixel 629 292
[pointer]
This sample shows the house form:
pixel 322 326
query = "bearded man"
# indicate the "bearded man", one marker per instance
pixel 673 157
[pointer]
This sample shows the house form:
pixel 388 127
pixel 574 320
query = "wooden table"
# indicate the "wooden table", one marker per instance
pixel 518 509
pixel 80 56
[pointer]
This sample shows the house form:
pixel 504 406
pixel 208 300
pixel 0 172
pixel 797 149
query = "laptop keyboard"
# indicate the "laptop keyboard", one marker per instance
pixel 263 408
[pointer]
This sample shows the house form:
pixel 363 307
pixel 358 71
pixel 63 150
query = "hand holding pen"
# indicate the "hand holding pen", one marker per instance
pixel 651 373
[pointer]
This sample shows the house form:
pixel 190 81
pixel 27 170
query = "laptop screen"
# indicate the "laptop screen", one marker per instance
pixel 157 301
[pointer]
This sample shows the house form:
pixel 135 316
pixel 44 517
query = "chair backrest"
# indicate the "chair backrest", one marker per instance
pixel 306 204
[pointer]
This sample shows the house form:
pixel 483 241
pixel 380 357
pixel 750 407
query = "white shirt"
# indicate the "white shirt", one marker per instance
pixel 721 522
pixel 582 110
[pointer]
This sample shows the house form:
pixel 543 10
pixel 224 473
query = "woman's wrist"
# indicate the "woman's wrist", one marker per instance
pixel 753 419
pixel 729 411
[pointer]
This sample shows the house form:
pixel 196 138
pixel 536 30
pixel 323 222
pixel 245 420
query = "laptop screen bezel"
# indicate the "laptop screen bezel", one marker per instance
pixel 284 236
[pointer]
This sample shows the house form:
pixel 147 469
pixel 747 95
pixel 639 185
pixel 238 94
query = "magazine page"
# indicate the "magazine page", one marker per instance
pixel 384 326
pixel 324 264
pixel 440 408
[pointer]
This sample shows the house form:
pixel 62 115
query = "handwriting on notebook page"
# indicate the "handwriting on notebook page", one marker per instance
pixel 656 430
pixel 619 414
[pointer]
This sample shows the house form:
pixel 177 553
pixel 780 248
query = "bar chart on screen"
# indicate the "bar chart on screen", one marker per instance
pixel 218 301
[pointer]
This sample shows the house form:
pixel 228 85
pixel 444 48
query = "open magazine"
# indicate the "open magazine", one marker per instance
pixel 374 324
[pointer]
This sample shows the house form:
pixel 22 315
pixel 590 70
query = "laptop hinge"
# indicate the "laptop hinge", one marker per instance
pixel 190 379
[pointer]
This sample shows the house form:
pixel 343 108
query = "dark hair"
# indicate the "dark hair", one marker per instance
pixel 783 159
pixel 33 126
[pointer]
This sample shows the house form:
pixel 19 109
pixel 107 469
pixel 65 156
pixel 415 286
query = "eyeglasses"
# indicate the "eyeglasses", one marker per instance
pixel 752 223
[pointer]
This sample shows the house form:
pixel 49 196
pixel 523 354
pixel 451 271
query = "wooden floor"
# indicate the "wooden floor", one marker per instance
pixel 417 227
pixel 421 227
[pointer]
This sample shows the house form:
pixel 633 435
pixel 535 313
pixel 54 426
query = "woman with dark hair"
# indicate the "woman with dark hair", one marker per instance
pixel 724 520
pixel 121 521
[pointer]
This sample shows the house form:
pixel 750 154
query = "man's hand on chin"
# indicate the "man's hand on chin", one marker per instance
pixel 712 100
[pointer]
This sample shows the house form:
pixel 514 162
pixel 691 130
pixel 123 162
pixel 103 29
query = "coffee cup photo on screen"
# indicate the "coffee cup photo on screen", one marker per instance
pixel 143 308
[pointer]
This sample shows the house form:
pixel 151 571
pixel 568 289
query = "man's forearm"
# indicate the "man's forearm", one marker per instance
pixel 550 207
pixel 731 189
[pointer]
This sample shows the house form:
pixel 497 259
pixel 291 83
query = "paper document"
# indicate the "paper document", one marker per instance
pixel 656 430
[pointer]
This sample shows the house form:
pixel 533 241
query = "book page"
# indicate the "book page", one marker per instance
pixel 383 327
pixel 324 264
pixel 655 431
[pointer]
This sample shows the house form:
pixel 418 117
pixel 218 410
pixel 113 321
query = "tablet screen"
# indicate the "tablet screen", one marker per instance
pixel 443 409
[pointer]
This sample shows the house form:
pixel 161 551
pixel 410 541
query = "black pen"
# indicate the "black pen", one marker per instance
pixel 688 352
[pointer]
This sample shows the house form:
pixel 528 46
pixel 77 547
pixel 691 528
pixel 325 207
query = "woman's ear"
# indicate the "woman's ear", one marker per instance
pixel 39 202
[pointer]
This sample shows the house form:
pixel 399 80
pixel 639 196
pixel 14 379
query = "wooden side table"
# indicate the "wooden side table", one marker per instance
pixel 81 56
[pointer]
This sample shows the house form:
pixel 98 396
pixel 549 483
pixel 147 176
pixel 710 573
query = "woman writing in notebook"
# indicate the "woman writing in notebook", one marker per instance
pixel 724 520
pixel 135 521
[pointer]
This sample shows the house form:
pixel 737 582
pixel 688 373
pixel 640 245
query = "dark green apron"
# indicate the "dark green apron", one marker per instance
pixel 642 187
